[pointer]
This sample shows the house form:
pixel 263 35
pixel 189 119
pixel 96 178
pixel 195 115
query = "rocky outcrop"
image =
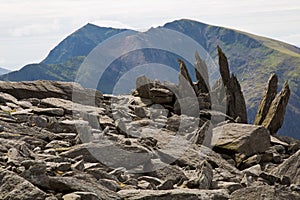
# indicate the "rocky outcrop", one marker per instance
pixel 274 118
pixel 185 80
pixel 224 67
pixel 290 167
pixel 241 138
pixel 264 192
pixel 271 109
pixel 268 96
pixel 43 89
pixel 227 92
pixel 201 75
pixel 138 146
pixel 12 186
pixel 176 194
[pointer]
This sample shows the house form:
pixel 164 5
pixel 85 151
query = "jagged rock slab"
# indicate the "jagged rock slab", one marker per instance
pixel 274 118
pixel 268 96
pixel 176 194
pixel 195 154
pixel 241 138
pixel 201 75
pixel 224 66
pixel 263 193
pixel 12 186
pixel 290 167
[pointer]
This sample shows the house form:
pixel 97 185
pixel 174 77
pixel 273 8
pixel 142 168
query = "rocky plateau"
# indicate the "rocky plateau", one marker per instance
pixel 163 141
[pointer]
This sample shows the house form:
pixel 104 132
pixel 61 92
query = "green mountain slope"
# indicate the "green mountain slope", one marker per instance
pixel 252 59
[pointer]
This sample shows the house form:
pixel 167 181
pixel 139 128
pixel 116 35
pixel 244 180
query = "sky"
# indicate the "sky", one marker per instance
pixel 29 29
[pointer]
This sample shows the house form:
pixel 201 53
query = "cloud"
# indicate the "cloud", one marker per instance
pixel 35 29
pixel 2 61
pixel 111 23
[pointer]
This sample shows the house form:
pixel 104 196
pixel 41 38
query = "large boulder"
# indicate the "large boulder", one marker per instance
pixel 113 155
pixel 241 138
pixel 290 167
pixel 45 89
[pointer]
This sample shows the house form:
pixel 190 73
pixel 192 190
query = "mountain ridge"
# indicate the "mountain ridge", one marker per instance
pixel 252 59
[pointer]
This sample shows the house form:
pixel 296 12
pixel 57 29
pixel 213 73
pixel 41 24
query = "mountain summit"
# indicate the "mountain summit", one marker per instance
pixel 251 58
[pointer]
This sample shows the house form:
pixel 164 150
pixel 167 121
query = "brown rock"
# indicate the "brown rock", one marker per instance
pixel 204 177
pixel 241 138
pixel 224 67
pixel 290 167
pixel 227 92
pixel 267 97
pixel 262 193
pixel 236 105
pixel 186 86
pixel 47 89
pixel 201 74
pixel 274 118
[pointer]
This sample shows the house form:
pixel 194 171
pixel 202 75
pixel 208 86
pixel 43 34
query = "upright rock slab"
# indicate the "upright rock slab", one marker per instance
pixel 274 118
pixel 224 66
pixel 201 75
pixel 185 81
pixel 241 138
pixel 229 91
pixel 267 97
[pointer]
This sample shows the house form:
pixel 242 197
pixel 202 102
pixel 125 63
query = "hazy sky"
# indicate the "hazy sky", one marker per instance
pixel 29 29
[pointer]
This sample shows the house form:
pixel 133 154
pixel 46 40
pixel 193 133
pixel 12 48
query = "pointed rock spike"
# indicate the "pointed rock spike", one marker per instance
pixel 224 67
pixel 268 96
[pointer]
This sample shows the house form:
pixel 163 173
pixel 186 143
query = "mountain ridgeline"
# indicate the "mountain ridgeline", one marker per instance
pixel 252 59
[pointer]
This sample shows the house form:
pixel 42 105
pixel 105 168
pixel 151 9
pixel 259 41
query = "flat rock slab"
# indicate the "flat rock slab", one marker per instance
pixel 113 155
pixel 263 193
pixel 176 194
pixel 241 138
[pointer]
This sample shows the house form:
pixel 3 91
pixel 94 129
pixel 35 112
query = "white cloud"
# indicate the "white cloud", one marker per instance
pixel 35 29
pixel 55 19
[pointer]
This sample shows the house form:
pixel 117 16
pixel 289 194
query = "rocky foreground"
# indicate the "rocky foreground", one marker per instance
pixel 153 144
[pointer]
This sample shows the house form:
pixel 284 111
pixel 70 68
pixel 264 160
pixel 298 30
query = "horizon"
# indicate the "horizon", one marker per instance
pixel 31 29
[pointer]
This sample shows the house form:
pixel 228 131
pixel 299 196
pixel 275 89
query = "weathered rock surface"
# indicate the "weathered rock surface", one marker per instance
pixel 274 118
pixel 201 75
pixel 113 155
pixel 44 89
pixel 228 92
pixel 264 192
pixel 138 146
pixel 268 96
pixel 290 167
pixel 241 138
pixel 176 194
pixel 12 186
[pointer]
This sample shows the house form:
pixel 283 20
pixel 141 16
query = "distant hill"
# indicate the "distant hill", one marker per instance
pixel 4 71
pixel 252 59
